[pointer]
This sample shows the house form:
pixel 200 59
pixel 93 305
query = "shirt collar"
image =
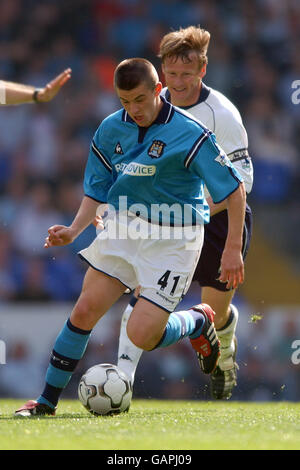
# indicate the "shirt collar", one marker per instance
pixel 204 92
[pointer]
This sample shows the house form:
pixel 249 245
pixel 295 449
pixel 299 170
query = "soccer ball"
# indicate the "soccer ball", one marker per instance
pixel 104 389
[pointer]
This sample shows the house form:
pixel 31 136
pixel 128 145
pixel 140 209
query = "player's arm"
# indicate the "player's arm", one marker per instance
pixel 17 93
pixel 234 140
pixel 97 182
pixel 243 164
pixel 232 265
pixel 215 208
pixel 60 235
pixel 232 137
pixel 226 187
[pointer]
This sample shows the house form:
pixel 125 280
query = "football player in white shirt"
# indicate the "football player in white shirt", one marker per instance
pixel 18 93
pixel 184 59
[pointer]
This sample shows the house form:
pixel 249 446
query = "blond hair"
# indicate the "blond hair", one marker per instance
pixel 181 43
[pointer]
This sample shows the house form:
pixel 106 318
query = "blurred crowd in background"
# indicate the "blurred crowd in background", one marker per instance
pixel 253 59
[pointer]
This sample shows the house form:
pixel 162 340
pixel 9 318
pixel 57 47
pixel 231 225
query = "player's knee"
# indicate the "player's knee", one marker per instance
pixel 84 314
pixel 141 337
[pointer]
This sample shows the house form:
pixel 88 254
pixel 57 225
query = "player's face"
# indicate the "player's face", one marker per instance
pixel 183 80
pixel 142 103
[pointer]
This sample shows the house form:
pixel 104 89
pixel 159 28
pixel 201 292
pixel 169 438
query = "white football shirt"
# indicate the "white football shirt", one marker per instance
pixel 221 116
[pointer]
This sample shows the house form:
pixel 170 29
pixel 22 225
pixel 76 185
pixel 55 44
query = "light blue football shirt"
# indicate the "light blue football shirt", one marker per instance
pixel 158 172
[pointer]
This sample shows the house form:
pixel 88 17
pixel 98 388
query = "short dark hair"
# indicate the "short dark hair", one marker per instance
pixel 130 73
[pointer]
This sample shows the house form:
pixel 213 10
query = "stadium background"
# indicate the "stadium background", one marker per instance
pixel 253 59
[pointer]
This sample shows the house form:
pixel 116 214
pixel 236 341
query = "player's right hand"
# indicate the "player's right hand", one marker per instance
pixel 59 235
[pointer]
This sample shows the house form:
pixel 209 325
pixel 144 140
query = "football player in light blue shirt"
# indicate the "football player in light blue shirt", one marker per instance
pixel 151 153
pixel 166 162
pixel 184 60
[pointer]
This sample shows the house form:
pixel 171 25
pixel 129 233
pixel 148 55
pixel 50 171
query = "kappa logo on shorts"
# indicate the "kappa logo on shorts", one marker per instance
pixel 156 149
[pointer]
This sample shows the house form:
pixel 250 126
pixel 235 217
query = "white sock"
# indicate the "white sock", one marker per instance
pixel 128 354
pixel 226 337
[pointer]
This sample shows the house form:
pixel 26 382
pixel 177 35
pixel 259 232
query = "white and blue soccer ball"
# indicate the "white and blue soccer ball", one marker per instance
pixel 105 389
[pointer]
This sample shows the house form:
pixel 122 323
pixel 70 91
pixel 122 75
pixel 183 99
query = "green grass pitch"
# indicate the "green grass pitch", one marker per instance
pixel 152 424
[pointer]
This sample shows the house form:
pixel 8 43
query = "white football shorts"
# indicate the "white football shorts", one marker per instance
pixel 162 266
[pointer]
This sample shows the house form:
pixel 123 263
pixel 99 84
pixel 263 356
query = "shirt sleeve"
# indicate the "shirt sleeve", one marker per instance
pixel 98 171
pixel 232 137
pixel 243 163
pixel 209 161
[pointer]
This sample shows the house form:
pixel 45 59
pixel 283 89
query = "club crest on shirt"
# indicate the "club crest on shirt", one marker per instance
pixel 118 149
pixel 156 149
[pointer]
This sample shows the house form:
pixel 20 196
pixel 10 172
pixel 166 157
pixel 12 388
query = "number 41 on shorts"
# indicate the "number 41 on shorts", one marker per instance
pixel 168 282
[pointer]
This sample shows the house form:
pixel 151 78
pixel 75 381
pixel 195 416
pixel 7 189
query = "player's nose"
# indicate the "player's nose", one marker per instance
pixel 135 108
pixel 177 82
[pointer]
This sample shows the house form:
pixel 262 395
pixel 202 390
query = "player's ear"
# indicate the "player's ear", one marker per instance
pixel 203 71
pixel 158 88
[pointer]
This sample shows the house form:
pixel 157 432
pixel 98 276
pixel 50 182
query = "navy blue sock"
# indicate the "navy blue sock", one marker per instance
pixel 69 348
pixel 133 301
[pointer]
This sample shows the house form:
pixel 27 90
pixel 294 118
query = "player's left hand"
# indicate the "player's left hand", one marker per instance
pixel 232 268
pixel 52 88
